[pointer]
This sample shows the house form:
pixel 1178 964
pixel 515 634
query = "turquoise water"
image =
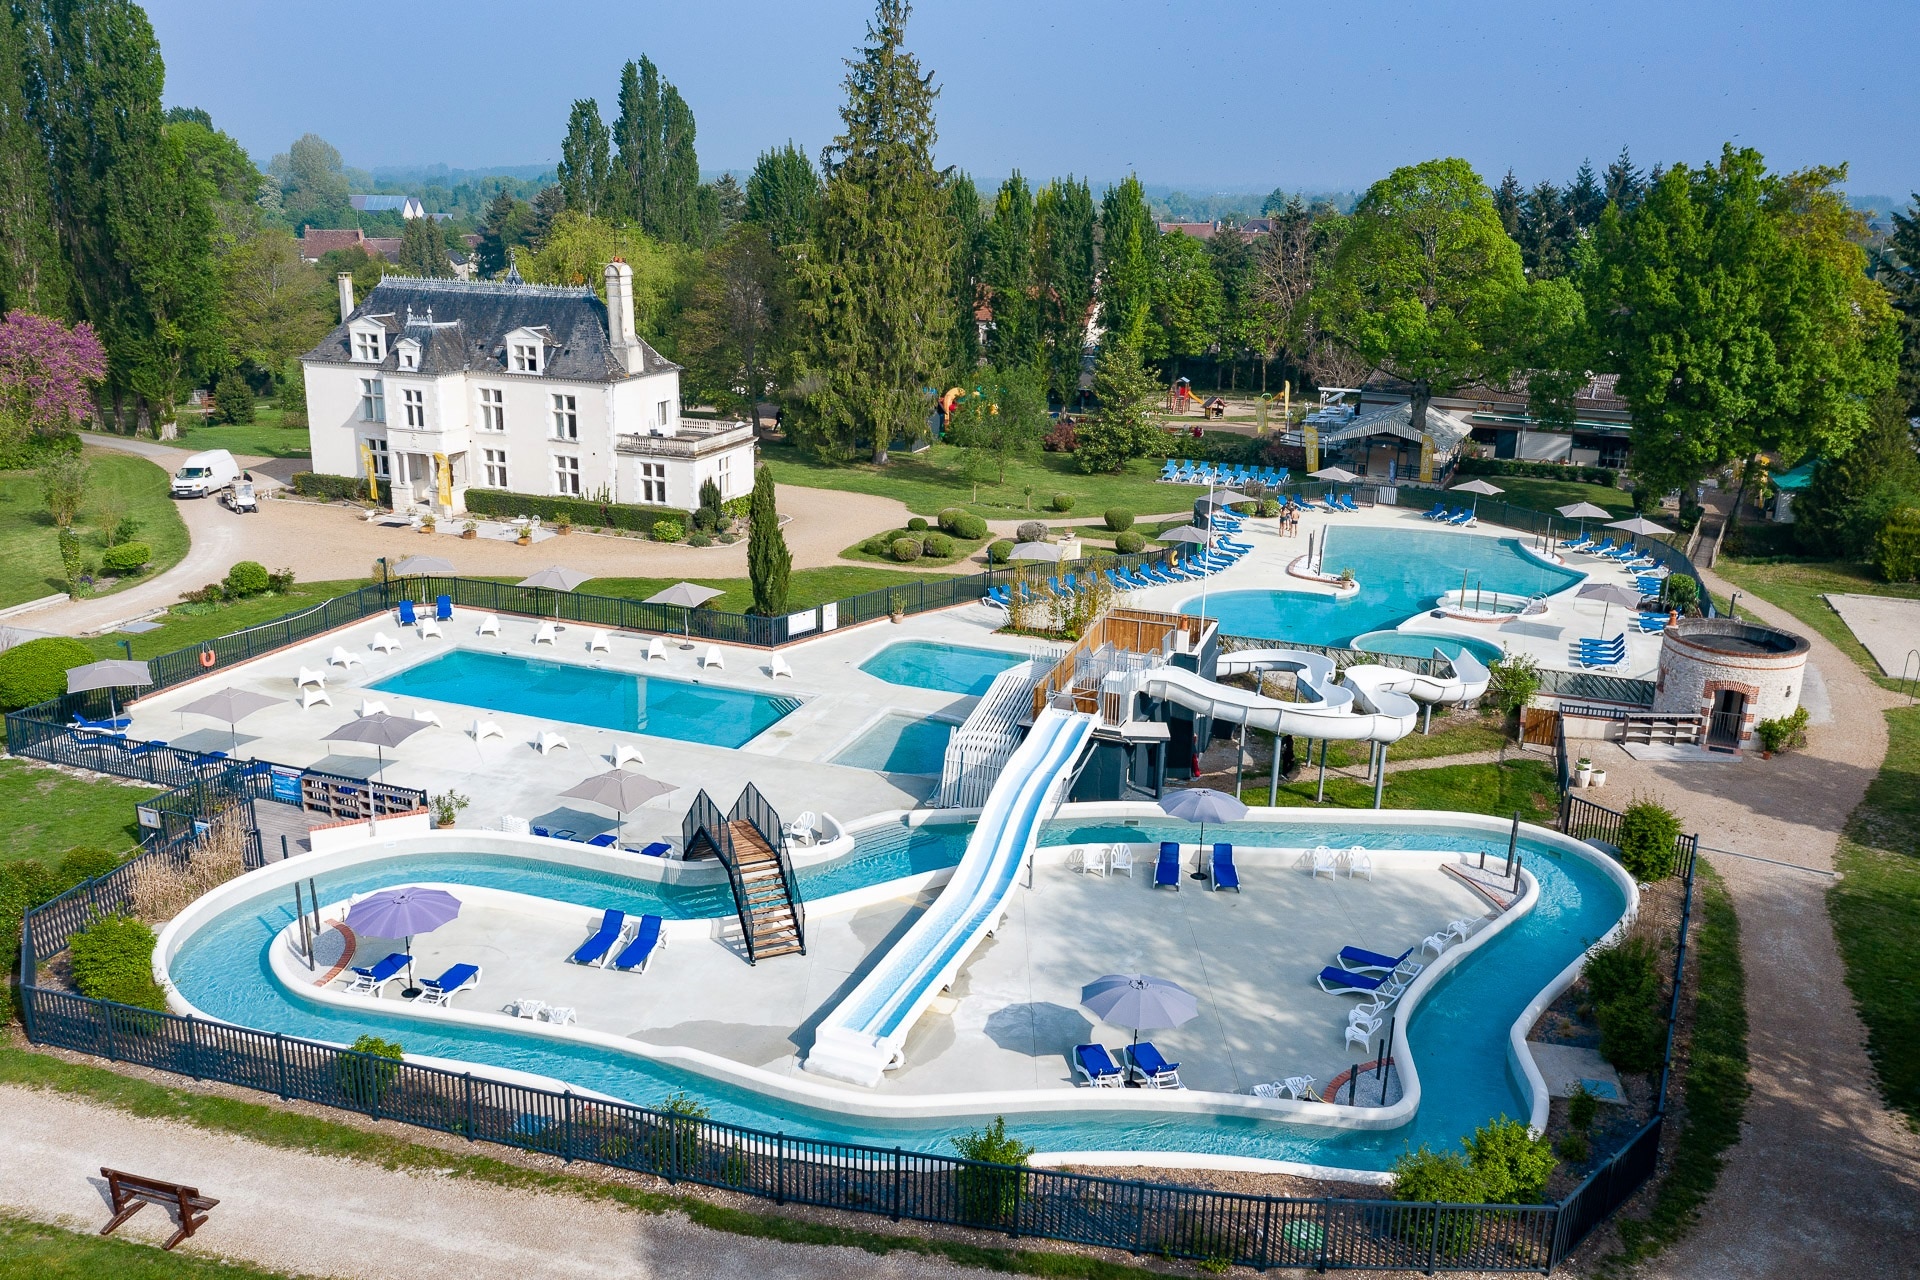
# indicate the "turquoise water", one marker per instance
pixel 1401 572
pixel 953 668
pixel 899 744
pixel 1416 644
pixel 1458 1033
pixel 591 695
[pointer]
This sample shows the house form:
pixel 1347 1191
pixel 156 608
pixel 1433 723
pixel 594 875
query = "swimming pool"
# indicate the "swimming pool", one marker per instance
pixel 927 664
pixel 1401 572
pixel 1457 1034
pixel 1420 644
pixel 899 743
pixel 591 695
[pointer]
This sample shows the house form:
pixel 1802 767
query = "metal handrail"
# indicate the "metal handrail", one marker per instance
pixel 703 815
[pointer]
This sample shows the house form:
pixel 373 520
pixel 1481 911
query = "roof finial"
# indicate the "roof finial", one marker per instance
pixel 513 268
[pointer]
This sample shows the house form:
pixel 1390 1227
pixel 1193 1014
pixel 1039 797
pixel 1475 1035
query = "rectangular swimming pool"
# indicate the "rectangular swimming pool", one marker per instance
pixel 899 743
pixel 951 668
pixel 592 696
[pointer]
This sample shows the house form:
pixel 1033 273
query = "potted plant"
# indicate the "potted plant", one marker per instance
pixel 470 530
pixel 427 523
pixel 1598 778
pixel 446 807
pixel 1583 772
pixel 897 606
pixel 525 535
pixel 564 524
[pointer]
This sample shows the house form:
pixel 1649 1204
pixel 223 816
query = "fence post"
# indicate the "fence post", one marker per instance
pixel 106 1016
pixel 780 1168
pixel 193 1048
pixel 469 1092
pixel 567 1105
pixel 280 1055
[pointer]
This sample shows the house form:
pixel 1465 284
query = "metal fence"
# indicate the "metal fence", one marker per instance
pixel 1585 820
pixel 1547 524
pixel 1343 657
pixel 1595 687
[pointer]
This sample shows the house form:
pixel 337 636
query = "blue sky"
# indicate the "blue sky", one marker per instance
pixel 1199 96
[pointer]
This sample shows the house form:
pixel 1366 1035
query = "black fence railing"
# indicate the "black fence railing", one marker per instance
pixel 1585 820
pixel 1592 686
pixel 1550 525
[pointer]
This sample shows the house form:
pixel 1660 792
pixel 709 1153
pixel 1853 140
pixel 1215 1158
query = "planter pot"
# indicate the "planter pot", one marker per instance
pixel 563 530
pixel 469 534
pixel 897 617
pixel 442 826
pixel 525 542
pixel 1599 778
pixel 1579 781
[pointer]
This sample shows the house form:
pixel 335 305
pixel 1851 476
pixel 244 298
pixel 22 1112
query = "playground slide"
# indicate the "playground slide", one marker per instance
pixel 862 1037
pixel 1361 709
pixel 1468 681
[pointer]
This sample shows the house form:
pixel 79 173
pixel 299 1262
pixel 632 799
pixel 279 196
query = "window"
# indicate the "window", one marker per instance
pixel 566 418
pixel 723 473
pixel 665 412
pixel 493 409
pixel 566 475
pixel 368 345
pixel 496 467
pixel 526 357
pixel 382 467
pixel 409 357
pixel 653 482
pixel 373 400
pixel 416 403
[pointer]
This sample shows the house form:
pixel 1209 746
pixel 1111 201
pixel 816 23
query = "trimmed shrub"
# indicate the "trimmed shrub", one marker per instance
pixel 128 557
pixel 700 538
pixel 1032 531
pixel 917 525
pixel 232 399
pixel 1513 1164
pixel 991 1196
pixel 938 545
pixel 878 545
pixel 1583 1108
pixel 1647 832
pixel 969 526
pixel 23 885
pixel 906 550
pixel 365 1079
pixel 83 863
pixel 112 959
pixel 1063 502
pixel 997 553
pixel 705 520
pixel 1129 542
pixel 949 518
pixel 37 670
pixel 313 484
pixel 584 512
pixel 247 578
pixel 1896 548
pixel 1444 1177
pixel 1606 476
pixel 1119 519
pixel 668 531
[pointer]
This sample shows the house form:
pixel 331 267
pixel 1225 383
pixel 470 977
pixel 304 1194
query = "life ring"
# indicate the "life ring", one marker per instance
pixel 208 657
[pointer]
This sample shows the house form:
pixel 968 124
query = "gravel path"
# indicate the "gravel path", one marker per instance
pixel 315 1215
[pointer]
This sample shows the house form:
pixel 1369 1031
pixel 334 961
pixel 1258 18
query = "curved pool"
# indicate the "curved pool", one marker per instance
pixel 1421 644
pixel 950 668
pixel 1458 1034
pixel 1401 572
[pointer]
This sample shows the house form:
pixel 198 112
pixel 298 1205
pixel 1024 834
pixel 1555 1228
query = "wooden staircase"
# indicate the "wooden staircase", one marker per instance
pixel 750 844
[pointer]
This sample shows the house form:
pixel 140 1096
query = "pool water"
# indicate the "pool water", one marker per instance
pixel 951 668
pixel 1458 1033
pixel 1401 572
pixel 595 696
pixel 1419 644
pixel 899 744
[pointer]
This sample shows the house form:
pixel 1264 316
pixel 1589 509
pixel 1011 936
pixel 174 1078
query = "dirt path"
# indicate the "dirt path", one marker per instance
pixel 295 1212
pixel 1825 1181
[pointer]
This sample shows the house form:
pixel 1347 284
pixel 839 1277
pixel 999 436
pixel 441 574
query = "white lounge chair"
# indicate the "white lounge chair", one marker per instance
pixel 427 716
pixel 805 829
pixel 1359 862
pixel 656 648
pixel 373 707
pixel 309 676
pixel 383 642
pixel 525 1008
pixel 547 632
pixel 713 658
pixel 1291 1087
pixel 625 751
pixel 777 666
pixel 486 729
pixel 428 627
pixel 600 642
pixel 548 741
pixel 312 694
pixel 559 1014
pixel 1120 858
pixel 341 658
pixel 1324 863
pixel 489 625
pixel 1437 942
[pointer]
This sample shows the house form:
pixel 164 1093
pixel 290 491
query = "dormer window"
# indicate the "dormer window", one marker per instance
pixel 409 353
pixel 369 345
pixel 525 357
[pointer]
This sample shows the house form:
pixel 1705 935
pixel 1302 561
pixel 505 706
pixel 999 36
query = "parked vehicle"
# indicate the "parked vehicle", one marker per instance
pixel 240 498
pixel 205 473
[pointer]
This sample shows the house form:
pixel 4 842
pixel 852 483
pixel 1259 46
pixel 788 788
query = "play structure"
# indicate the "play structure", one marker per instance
pixel 1181 398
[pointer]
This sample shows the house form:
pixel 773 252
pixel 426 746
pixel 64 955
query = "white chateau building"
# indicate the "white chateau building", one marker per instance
pixel 437 386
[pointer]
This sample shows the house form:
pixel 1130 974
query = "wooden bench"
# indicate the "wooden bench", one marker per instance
pixel 132 1193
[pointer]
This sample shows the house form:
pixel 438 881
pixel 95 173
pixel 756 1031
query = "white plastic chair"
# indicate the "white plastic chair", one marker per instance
pixel 383 642
pixel 805 829
pixel 373 707
pixel 656 648
pixel 487 729
pixel 599 642
pixel 625 751
pixel 428 627
pixel 1361 1032
pixel 713 658
pixel 1323 862
pixel 549 741
pixel 559 1014
pixel 1359 861
pixel 525 1008
pixel 1437 942
pixel 777 666
pixel 312 694
pixel 341 658
pixel 1093 861
pixel 1291 1087
pixel 489 625
pixel 1120 858
pixel 547 632
pixel 1077 858
pixel 309 676
pixel 427 716
pixel 1461 929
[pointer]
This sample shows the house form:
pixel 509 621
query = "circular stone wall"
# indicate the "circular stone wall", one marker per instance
pixel 1702 657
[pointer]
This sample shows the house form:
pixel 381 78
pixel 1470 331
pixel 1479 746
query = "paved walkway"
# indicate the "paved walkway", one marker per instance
pixel 297 1212
pixel 1825 1181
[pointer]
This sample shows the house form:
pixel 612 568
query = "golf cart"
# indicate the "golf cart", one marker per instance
pixel 240 497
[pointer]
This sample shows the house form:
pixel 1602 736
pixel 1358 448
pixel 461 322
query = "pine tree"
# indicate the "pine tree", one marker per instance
pixel 1901 276
pixel 783 196
pixel 1586 199
pixel 1014 340
pixel 1063 272
pixel 769 562
pixel 875 289
pixel 1508 199
pixel 1123 427
pixel 1547 232
pixel 1126 255
pixel 503 228
pixel 423 251
pixel 967 266
pixel 1624 183
pixel 680 219
pixel 585 169
pixel 730 201
pixel 636 140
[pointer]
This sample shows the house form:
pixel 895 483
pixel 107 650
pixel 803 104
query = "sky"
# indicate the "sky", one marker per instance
pixel 1201 97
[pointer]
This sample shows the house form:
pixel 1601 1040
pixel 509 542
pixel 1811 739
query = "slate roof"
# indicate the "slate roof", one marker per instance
pixel 463 326
pixel 315 241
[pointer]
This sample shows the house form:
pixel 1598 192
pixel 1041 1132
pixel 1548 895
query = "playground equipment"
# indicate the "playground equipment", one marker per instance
pixel 1181 397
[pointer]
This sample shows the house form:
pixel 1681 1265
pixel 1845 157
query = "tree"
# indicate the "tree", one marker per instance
pixel 730 202
pixel 967 223
pixel 313 184
pixel 273 306
pixel 365 268
pixel 728 325
pixel 232 399
pixel 422 251
pixel 1853 494
pixel 1624 182
pixel 506 226
pixel 1002 418
pixel 655 174
pixel 678 214
pixel 585 168
pixel 47 375
pixel 577 250
pixel 1127 234
pixel 1014 339
pixel 1509 200
pixel 1901 276
pixel 1547 232
pixel 1063 268
pixel 63 486
pixel 874 289
pixel 1186 300
pixel 1586 199
pixel 783 196
pixel 1123 427
pixel 769 562
pixel 1287 265
pixel 33 272
pixel 636 139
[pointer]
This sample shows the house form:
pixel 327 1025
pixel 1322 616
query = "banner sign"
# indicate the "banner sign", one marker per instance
pixel 286 784
pixel 1312 434
pixel 445 475
pixel 1426 457
pixel 366 465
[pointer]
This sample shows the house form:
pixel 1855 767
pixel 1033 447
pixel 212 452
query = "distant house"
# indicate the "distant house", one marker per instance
pixel 316 242
pixel 1248 228
pixel 408 207
pixel 387 247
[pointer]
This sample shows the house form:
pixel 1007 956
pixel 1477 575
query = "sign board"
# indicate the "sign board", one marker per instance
pixel 366 465
pixel 443 474
pixel 285 784
pixel 829 616
pixel 798 624
pixel 149 816
pixel 1426 457
pixel 1312 435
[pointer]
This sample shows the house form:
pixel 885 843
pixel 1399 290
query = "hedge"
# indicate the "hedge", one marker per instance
pixel 1606 476
pixel 579 511
pixel 126 558
pixel 112 959
pixel 29 451
pixel 37 670
pixel 339 488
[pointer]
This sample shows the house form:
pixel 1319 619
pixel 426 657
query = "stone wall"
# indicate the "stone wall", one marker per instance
pixel 1701 658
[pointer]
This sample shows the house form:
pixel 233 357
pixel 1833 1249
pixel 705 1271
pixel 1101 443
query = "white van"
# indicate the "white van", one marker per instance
pixel 205 473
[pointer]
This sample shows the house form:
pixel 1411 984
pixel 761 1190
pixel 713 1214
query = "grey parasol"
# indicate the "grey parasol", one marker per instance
pixel 556 579
pixel 1583 512
pixel 1047 551
pixel 620 790
pixel 1640 527
pixel 1334 475
pixel 1477 488
pixel 109 674
pixel 232 706
pixel 380 729
pixel 686 595
pixel 1609 594
pixel 425 566
pixel 1139 1001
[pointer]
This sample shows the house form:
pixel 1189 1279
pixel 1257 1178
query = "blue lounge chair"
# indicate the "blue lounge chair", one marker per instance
pixel 443 608
pixel 1361 960
pixel 1344 982
pixel 1225 876
pixel 1096 1065
pixel 1462 518
pixel 407 618
pixel 1152 1069
pixel 85 725
pixel 658 849
pixel 1653 623
pixel 594 950
pixel 1602 547
pixel 646 940
pixel 1235 548
pixel 441 990
pixel 1347 503
pixel 998 596
pixel 1438 509
pixel 148 747
pixel 605 840
pixel 1166 870
pixel 374 980
pixel 1581 543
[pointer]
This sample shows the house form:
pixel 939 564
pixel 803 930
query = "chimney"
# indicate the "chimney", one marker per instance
pixel 620 334
pixel 345 281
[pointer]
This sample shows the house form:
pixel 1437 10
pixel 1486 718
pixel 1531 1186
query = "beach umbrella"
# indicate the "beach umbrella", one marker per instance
pixel 1583 512
pixel 685 595
pixel 1334 475
pixel 556 579
pixel 1139 1001
pixel 109 674
pixel 424 566
pixel 231 705
pixel 1226 498
pixel 401 913
pixel 1609 594
pixel 380 729
pixel 1202 805
pixel 1183 533
pixel 1641 527
pixel 620 790
pixel 1476 488
pixel 1047 551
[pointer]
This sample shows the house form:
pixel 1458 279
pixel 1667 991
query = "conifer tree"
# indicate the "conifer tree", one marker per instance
pixel 679 216
pixel 1063 273
pixel 585 168
pixel 783 196
pixel 1126 263
pixel 33 274
pixel 967 227
pixel 1014 340
pixel 769 561
pixel 636 139
pixel 423 252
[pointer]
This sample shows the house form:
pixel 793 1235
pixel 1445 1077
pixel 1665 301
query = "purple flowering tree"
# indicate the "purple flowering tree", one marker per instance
pixel 47 373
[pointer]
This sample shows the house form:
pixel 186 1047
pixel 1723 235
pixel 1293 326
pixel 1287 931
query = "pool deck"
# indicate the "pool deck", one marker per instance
pixel 1011 1019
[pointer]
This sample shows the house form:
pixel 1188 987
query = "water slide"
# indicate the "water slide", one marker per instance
pixel 863 1035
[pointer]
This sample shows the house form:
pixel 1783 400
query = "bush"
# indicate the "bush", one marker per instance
pixel 1583 1109
pixel 1062 437
pixel 1647 832
pixel 878 545
pixel 668 531
pixel 1630 966
pixel 991 1195
pixel 1683 593
pixel 1437 1177
pixel 969 526
pixel 1896 548
pixel 313 484
pixel 1633 1034
pixel 37 670
pixel 704 520
pixel 700 539
pixel 917 525
pixel 1787 731
pixel 938 545
pixel 232 399
pixel 1119 519
pixel 23 885
pixel 112 959
pixel 997 553
pixel 1269 507
pixel 582 511
pixel 906 550
pixel 1128 543
pixel 1063 502
pixel 83 863
pixel 128 557
pixel 1606 476
pixel 1513 1164
pixel 948 519
pixel 28 452
pixel 365 1079
pixel 247 578
pixel 1032 531
pixel 1573 1148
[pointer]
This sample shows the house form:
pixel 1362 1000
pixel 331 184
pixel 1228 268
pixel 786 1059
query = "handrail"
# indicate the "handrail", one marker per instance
pixel 753 808
pixel 704 817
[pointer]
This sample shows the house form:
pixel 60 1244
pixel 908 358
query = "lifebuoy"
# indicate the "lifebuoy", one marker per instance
pixel 208 658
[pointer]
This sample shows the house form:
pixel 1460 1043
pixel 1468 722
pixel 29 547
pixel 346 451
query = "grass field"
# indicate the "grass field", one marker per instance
pixel 1524 783
pixel 263 437
pixel 1454 733
pixel 1797 586
pixel 119 485
pixel 49 812
pixel 40 1252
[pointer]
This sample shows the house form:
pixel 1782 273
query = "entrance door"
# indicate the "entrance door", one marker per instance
pixel 1728 719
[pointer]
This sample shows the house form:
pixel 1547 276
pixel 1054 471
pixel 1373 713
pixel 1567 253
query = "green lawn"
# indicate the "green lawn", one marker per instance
pixel 928 482
pixel 1526 784
pixel 1547 495
pixel 1876 914
pixel 186 624
pixel 40 1252
pixel 49 812
pixel 1454 733
pixel 263 437
pixel 120 486
pixel 1797 586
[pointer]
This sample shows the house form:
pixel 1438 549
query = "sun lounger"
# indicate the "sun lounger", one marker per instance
pixel 83 725
pixel 1581 543
pixel 383 642
pixel 407 617
pixel 1152 1070
pixel 1166 869
pixel 440 991
pixel 373 981
pixel 1093 1062
pixel 647 939
pixel 1601 547
pixel 778 666
pixel 547 634
pixel 443 608
pixel 1225 876
pixel 341 658
pixel 594 950
pixel 605 840
pixel 489 625
pixel 600 642
pixel 1347 503
pixel 658 849
pixel 1462 519
pixel 1361 960
pixel 1345 982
